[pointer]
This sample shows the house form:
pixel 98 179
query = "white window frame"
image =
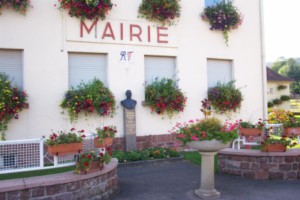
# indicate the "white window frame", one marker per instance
pixel 12 64
pixel 96 70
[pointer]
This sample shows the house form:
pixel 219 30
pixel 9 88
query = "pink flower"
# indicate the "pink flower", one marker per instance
pixel 181 136
pixel 195 138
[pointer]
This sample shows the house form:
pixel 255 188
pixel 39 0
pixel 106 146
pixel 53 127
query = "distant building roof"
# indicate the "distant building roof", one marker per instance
pixel 273 76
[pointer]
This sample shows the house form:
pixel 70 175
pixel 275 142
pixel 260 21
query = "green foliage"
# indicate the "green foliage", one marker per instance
pixel 164 96
pixel 205 129
pixel 90 97
pixel 163 11
pixel 284 98
pixel 281 87
pixel 277 101
pixel 269 139
pixel 260 124
pixel 20 6
pixel 270 104
pixel 12 101
pixel 222 16
pixel 146 154
pixel 62 137
pixel 225 97
pixel 87 9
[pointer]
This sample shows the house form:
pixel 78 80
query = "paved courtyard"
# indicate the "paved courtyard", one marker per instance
pixel 177 180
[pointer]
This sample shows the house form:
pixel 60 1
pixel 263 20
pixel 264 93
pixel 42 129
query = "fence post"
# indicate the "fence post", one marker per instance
pixel 42 152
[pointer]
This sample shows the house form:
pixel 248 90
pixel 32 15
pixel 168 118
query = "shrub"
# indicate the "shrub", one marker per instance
pixel 277 101
pixel 284 98
pixel 89 98
pixel 270 104
pixel 281 87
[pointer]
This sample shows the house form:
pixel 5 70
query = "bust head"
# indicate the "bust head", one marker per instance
pixel 128 94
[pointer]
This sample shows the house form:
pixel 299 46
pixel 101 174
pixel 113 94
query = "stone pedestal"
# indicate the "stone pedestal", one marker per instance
pixel 129 129
pixel 207 181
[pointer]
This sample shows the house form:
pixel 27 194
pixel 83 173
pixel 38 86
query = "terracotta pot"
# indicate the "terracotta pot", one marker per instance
pixel 95 166
pixel 65 148
pixel 274 148
pixel 250 131
pixel 292 130
pixel 105 142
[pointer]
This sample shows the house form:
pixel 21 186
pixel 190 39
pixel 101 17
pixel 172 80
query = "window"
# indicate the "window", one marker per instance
pixel 159 67
pixel 11 63
pixel 218 71
pixel 212 2
pixel 271 90
pixel 84 67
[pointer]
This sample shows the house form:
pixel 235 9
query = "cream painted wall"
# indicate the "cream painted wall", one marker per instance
pixel 44 35
pixel 272 86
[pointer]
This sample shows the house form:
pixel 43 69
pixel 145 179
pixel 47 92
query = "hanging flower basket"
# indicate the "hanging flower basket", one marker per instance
pixel 161 11
pixel 87 9
pixel 225 97
pixel 163 96
pixel 89 98
pixel 222 16
pixel 20 6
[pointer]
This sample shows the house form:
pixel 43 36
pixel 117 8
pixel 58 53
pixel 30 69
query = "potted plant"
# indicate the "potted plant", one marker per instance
pixel 20 6
pixel 62 142
pixel 89 98
pixel 277 144
pixel 86 9
pixel 160 10
pixel 222 16
pixel 12 101
pixel 89 162
pixel 208 136
pixel 225 97
pixel 105 136
pixel 291 126
pixel 250 129
pixel 163 96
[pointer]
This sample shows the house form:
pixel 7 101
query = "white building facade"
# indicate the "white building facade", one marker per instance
pixel 50 49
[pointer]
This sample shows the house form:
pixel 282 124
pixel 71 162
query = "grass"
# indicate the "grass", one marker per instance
pixel 195 158
pixel 42 172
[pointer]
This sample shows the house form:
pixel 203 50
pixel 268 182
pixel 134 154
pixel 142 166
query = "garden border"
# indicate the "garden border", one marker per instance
pixel 101 185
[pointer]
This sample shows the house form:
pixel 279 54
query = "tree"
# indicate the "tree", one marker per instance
pixel 289 68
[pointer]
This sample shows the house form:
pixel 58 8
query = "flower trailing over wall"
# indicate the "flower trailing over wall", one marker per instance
pixel 225 97
pixel 89 98
pixel 164 96
pixel 163 11
pixel 87 9
pixel 20 6
pixel 12 101
pixel 222 16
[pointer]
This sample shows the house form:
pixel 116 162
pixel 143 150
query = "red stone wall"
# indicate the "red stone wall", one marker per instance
pixel 260 165
pixel 166 140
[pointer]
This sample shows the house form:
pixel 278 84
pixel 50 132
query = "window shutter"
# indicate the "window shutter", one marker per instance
pixel 11 63
pixel 218 71
pixel 85 67
pixel 159 67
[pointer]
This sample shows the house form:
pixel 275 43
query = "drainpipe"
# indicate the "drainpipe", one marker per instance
pixel 263 64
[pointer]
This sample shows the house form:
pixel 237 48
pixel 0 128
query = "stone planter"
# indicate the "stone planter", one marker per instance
pixel 208 150
pixel 105 142
pixel 65 148
pixel 250 132
pixel 274 148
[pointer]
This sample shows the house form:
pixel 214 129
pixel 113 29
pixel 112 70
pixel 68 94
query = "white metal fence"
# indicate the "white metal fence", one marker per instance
pixel 28 155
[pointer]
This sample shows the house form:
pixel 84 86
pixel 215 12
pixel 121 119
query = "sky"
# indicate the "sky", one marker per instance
pixel 282 29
